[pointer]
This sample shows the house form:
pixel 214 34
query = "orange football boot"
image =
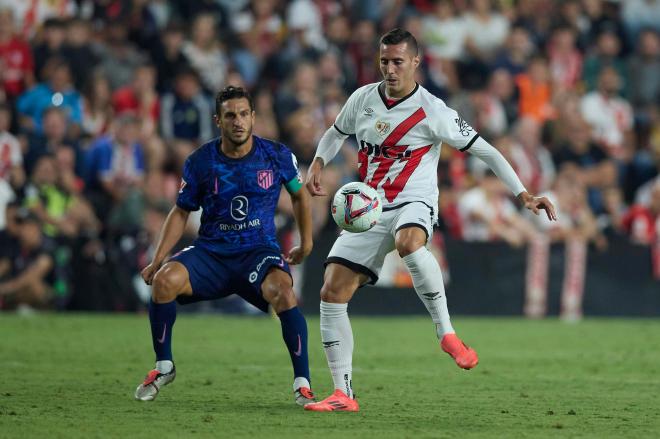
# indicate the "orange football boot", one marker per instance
pixel 337 402
pixel 463 354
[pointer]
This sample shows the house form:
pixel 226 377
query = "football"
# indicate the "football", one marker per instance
pixel 356 207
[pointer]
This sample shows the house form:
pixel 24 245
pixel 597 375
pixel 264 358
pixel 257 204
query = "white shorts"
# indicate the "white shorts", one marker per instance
pixel 365 252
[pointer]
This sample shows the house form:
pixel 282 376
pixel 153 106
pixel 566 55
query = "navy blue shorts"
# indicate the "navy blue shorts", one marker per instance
pixel 214 276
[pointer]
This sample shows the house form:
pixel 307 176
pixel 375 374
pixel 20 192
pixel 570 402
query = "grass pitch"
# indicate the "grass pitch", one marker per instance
pixel 74 376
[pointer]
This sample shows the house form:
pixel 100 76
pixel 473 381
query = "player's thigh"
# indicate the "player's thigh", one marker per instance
pixel 413 227
pixel 170 281
pixel 277 289
pixel 362 253
pixel 340 283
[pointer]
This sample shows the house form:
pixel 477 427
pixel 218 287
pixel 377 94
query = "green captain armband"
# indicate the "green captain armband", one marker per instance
pixel 294 184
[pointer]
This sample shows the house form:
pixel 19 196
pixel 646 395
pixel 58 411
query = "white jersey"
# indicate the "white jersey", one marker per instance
pixel 400 143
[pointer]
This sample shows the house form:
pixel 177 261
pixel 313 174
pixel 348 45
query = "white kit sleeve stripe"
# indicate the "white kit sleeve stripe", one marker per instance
pixel 330 143
pixel 496 161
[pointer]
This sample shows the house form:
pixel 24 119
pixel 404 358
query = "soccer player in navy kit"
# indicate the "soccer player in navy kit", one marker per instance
pixel 236 179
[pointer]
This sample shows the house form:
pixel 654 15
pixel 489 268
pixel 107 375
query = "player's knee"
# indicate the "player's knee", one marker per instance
pixel 164 287
pixel 407 246
pixel 280 296
pixel 332 293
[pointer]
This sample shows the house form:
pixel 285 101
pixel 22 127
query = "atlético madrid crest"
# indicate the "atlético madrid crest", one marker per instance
pixel 382 128
pixel 265 178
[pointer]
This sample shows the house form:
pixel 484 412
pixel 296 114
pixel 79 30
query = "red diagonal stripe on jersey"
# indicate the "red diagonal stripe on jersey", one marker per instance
pixel 392 188
pixel 404 127
pixel 391 140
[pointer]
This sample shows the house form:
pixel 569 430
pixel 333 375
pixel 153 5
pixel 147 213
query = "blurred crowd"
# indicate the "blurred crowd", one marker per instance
pixel 102 100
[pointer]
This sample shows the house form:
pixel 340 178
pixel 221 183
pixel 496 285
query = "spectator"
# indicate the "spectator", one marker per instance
pixel 606 54
pixel 31 16
pixel 535 91
pixel 57 91
pixel 52 198
pixel 16 62
pixel 565 59
pixel 116 167
pixel 610 116
pixel 531 160
pixel 304 18
pixel 338 34
pixel 79 52
pixel 515 55
pixel 260 31
pixel 167 55
pixel 52 45
pixel 444 33
pixel 643 71
pixel 487 214
pixel 487 30
pixel 360 50
pixel 53 137
pixel 140 99
pixel 640 14
pixel 205 54
pixel 502 87
pixel 642 222
pixel 11 156
pixel 186 113
pixel 302 89
pixel 97 106
pixel 266 124
pixel 119 57
pixel 597 170
pixel 26 280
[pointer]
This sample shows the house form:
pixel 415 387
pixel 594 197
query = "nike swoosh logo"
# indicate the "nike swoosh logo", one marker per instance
pixel 299 351
pixel 162 338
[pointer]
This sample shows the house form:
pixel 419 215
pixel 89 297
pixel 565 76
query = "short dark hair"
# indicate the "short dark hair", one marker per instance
pixel 231 92
pixel 398 36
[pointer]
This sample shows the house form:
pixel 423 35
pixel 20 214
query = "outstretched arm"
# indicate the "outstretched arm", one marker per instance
pixel 329 145
pixel 170 234
pixel 496 161
pixel 303 215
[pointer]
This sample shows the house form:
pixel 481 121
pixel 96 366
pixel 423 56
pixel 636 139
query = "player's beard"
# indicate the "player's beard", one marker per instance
pixel 239 141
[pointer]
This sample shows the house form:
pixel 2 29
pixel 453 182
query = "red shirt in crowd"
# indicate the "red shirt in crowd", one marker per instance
pixel 125 100
pixel 15 63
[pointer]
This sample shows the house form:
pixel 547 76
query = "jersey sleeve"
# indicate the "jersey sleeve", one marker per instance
pixel 345 122
pixel 291 178
pixel 189 197
pixel 448 127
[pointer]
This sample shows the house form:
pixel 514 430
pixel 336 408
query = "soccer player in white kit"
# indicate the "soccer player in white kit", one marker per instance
pixel 400 127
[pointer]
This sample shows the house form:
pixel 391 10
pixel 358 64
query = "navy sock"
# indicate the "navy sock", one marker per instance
pixel 162 317
pixel 294 333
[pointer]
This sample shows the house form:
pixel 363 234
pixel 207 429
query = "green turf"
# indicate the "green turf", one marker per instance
pixel 74 376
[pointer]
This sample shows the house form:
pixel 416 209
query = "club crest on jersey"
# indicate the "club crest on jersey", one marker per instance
pixel 265 178
pixel 382 128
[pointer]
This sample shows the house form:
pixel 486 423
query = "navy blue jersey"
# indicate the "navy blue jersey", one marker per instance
pixel 238 196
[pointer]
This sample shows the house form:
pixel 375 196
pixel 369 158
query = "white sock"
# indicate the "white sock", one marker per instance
pixel 164 366
pixel 337 338
pixel 427 280
pixel 300 382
